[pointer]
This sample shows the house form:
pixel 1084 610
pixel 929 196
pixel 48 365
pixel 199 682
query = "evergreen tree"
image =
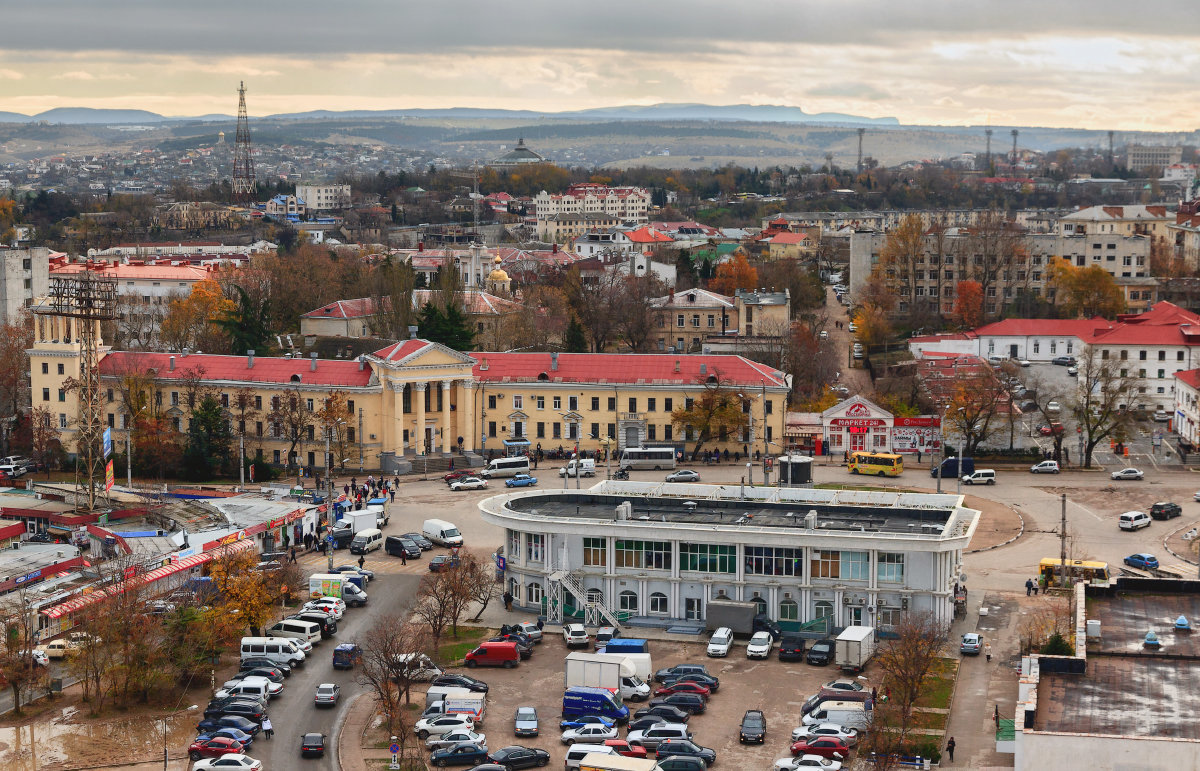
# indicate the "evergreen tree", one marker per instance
pixel 449 326
pixel 207 451
pixel 246 325
pixel 575 338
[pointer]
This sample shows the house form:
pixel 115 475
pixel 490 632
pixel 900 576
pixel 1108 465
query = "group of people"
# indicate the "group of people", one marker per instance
pixel 1032 585
pixel 372 488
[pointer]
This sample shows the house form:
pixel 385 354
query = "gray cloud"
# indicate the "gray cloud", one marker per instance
pixel 852 90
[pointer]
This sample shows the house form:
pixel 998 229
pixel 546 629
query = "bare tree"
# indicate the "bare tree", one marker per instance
pixel 908 658
pixel 290 419
pixel 990 254
pixel 479 583
pixel 390 643
pixel 435 603
pixel 1106 392
pixel 17 667
pixel 637 316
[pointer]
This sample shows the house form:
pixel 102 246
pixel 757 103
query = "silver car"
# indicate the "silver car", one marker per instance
pixel 327 695
pixel 526 722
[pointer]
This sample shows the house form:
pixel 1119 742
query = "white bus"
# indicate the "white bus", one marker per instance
pixel 657 458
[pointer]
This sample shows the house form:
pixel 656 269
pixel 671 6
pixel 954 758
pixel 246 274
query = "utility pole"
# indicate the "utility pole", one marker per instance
pixel 242 461
pixel 1062 545
pixel 328 478
pixel 128 462
pixel 360 440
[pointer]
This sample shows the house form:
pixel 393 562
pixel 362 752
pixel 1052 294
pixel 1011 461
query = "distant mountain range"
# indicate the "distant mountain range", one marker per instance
pixel 665 111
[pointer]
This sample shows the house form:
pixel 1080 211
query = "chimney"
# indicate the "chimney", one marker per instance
pixel 412 332
pixel 677 365
pixel 554 248
pixel 312 367
pixel 420 246
pixel 250 359
pixel 171 364
pixel 362 363
pixel 185 353
pixel 553 362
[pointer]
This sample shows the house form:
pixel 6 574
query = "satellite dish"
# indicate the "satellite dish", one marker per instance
pixel 962 578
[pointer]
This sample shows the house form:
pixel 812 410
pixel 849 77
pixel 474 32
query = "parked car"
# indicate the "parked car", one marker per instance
pixel 1165 510
pixel 454 476
pixel 806 762
pixel 688 702
pixel 440 724
pixel 451 738
pixel 624 748
pixel 398 545
pixel 753 728
pixel 236 762
pixel 791 647
pixel 683 475
pixel 672 747
pixel 820 653
pixel 239 736
pixel 603 635
pixel 679 669
pixel 683 686
pixel 1072 370
pixel 529 629
pixel 847 735
pixel 213 747
pixel 575 721
pixel 521 480
pixel 971 645
pixel 1048 429
pixel 460 681
pixel 468 483
pixel 681 763
pixel 1142 560
pixel 720 642
pixel 575 636
pixel 1133 520
pixel 1063 361
pixel 368 575
pixel 670 712
pixel 517 756
pixel 1128 473
pixel 759 646
pixel 242 724
pixel 713 684
pixel 463 754
pixel 525 722
pixel 420 540
pixel 594 733
pixel 825 746
pixel 644 722
pixel 1045 467
pixel 327 695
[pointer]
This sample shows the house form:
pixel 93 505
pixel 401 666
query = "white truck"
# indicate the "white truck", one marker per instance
pixel 359 521
pixel 455 701
pixel 612 762
pixel 336 585
pixel 600 670
pixel 854 647
pixel 577 466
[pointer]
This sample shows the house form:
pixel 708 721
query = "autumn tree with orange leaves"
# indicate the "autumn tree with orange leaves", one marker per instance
pixel 968 304
pixel 733 275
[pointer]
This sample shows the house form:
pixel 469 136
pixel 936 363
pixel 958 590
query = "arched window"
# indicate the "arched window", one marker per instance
pixel 629 601
pixel 595 596
pixel 760 604
pixel 658 603
pixel 295 378
pixel 822 609
pixel 789 611
pixel 533 592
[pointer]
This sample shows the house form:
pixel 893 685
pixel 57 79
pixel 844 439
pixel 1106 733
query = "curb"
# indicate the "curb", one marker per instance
pixel 1171 551
pixel 339 763
pixel 1020 533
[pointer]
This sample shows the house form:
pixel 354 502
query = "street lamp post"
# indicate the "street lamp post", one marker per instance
pixel 962 439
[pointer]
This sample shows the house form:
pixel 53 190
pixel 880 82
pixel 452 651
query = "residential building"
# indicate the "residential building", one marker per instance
pixel 760 312
pixel 286 207
pixel 1139 158
pixel 568 226
pixel 1185 420
pixel 1185 233
pixel 686 318
pixel 24 275
pixel 324 197
pixel 789 246
pixel 803 557
pixel 626 204
pixel 353 318
pixel 1139 220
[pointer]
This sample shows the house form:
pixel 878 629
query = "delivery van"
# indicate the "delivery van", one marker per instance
pixel 281 650
pixel 302 630
pixel 441 532
pixel 494 654
pixel 366 541
pixel 506 467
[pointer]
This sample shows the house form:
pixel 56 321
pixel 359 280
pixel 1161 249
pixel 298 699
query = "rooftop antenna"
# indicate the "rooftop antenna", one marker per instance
pixel 243 164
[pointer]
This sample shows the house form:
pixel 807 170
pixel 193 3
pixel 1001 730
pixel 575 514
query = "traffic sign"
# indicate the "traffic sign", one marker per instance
pixel 107 442
pixel 394 749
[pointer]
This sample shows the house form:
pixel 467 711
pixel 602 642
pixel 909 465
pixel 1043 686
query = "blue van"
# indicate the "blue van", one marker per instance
pixel 952 470
pixel 586 700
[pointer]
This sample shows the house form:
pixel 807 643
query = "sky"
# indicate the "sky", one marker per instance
pixel 1064 63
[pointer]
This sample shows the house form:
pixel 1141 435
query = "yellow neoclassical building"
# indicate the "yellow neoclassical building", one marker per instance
pixel 418 399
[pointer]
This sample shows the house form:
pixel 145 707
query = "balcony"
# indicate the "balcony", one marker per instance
pixel 632 416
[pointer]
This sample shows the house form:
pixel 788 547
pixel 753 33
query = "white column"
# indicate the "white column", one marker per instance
pixel 447 439
pixel 419 398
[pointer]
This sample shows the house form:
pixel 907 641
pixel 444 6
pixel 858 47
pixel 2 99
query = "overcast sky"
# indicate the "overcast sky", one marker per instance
pixel 1100 64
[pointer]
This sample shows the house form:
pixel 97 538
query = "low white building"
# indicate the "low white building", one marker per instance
pixel 324 197
pixel 857 425
pixel 650 554
pixel 1185 419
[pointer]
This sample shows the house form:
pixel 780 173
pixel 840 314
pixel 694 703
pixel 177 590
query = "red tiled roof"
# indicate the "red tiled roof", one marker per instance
pixel 623 368
pixel 646 235
pixel 788 238
pixel 330 372
pixel 401 350
pixel 1190 377
pixel 144 272
pixel 1081 328
pixel 343 309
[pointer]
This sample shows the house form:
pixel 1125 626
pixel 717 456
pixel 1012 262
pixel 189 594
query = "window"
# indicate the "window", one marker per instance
pixel 826 564
pixel 535 547
pixel 61 370
pixel 514 543
pixel 770 407
pixel 311 433
pixel 308 404
pixel 856 565
pixel 891 568
pixel 224 400
pixel 258 402
pixel 770 561
pixel 1161 374
pixel 518 402
pixel 62 395
pixel 492 428
pixel 556 402
pixel 595 404
pixel 789 611
pixel 1141 355
pixel 643 554
pixel 658 603
pixel 491 401
pixel 595 552
pixel 111 424
pixel 1179 356
pixel 707 557
pixel 712 321
pixel 650 404
pixel 1036 347
pixel 350 405
pixel 627 601
pixel 573 403
pixel 557 430
pixel 533 593
pixel 695 319
pixel 667 431
pixel 45 368
pixel 258 428
pixel 541 430
pixel 45 394
pixel 889 616
pixel 668 402
pixel 62 420
pixel 652 432
pixel 1162 355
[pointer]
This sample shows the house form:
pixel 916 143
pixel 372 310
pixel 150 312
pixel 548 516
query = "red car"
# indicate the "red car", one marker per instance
pixel 448 478
pixel 625 748
pixel 683 686
pixel 825 746
pixel 1051 428
pixel 214 747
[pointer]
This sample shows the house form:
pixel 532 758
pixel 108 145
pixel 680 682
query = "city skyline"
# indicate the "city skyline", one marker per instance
pixel 1057 65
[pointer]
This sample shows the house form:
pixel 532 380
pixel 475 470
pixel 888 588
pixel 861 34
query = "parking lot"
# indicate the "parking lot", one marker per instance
pixel 777 688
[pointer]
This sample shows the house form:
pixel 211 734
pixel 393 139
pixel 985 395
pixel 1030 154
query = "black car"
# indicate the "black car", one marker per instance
pixel 397 545
pixel 821 653
pixel 228 721
pixel 689 702
pixel 442 562
pixel 312 745
pixel 256 662
pixel 1063 361
pixel 680 669
pixel 271 673
pixel 791 648
pixel 682 763
pixel 669 711
pixel 461 754
pixel 342 537
pixel 644 722
pixel 672 747
pixel 524 647
pixel 460 681
pixel 1165 510
pixel 323 620
pixel 519 757
pixel 754 727
pixel 240 708
pixel 712 683
pixel 419 540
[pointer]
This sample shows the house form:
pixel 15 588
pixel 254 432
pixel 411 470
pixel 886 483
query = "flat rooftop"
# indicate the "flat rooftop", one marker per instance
pixel 1127 616
pixel 919 517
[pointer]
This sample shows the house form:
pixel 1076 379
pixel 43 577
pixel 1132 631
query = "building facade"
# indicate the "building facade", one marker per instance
pixel 324 197
pixel 1142 157
pixel 24 275
pixel 628 204
pixel 633 551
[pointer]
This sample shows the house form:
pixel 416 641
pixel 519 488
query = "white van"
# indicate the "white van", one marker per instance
pixel 309 631
pixel 281 650
pixel 1134 520
pixel 720 642
pixel 983 476
pixel 577 752
pixel 260 687
pixel 848 714
pixel 506 467
pixel 417 666
pixel 381 515
pixel 441 532
pixel 366 541
pixel 576 466
pixel 440 692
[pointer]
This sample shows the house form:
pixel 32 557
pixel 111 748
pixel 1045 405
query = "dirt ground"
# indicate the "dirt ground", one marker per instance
pixel 745 684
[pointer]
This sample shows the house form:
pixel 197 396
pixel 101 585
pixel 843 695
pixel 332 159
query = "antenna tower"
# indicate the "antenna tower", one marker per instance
pixel 987 164
pixel 861 131
pixel 1110 152
pixel 243 165
pixel 89 299
pixel 1014 154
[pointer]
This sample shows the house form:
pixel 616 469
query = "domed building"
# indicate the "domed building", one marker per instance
pixel 498 281
pixel 519 156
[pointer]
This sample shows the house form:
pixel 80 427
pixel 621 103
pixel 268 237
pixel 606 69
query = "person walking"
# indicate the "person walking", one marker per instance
pixel 403 556
pixel 950 745
pixel 987 650
pixel 362 558
pixel 508 599
pixel 392 492
pixel 1028 586
pixel 267 729
pixel 292 554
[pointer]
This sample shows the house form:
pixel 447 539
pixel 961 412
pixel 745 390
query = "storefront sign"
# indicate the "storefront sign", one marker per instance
pixel 857 422
pixel 931 421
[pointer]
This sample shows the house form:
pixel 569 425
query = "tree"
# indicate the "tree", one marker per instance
pixel 1106 392
pixel 637 316
pixel 968 304
pixel 973 407
pixel 593 302
pixel 902 253
pixel 243 592
pixel 1085 292
pixel 44 434
pixel 17 667
pixel 991 250
pixel 733 275
pixel 907 659
pixel 873 325
pixel 447 325
pixel 717 412
pixel 290 419
pixel 191 321
pixel 575 339
pixel 207 451
pixel 247 325
pixel 332 418
pixel 478 580
pixel 387 646
pixel 15 341
pixel 435 603
pixel 392 303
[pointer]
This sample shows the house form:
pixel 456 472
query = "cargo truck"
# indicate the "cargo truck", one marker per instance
pixel 595 670
pixel 596 761
pixel 469 703
pixel 336 585
pixel 742 617
pixel 854 647
pixel 358 521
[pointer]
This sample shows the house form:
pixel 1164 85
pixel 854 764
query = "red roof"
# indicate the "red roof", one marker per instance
pixel 1190 377
pixel 646 235
pixel 1081 328
pixel 329 372
pixel 401 350
pixel 343 309
pixel 143 272
pixel 653 368
pixel 788 238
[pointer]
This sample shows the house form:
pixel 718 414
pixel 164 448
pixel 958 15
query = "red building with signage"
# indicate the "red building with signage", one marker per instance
pixel 857 424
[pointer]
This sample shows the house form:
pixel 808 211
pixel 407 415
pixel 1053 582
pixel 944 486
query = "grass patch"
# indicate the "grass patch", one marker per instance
pixel 939 685
pixel 929 721
pixel 453 652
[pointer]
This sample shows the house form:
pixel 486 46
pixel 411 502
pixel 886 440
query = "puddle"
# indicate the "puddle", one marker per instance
pixel 59 741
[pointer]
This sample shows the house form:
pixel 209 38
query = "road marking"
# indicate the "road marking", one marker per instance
pixel 1085 508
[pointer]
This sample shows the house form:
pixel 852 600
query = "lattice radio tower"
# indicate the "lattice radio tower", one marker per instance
pixel 243 164
pixel 88 299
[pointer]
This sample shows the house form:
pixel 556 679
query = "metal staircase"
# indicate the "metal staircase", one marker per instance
pixel 595 613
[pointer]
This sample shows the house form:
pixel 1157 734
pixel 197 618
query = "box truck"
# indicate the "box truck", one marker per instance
pixel 358 521
pixel 598 761
pixel 854 647
pixel 326 584
pixel 612 672
pixel 625 645
pixel 474 704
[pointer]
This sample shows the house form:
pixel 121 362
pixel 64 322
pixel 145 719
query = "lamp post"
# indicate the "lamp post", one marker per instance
pixel 942 462
pixel 962 439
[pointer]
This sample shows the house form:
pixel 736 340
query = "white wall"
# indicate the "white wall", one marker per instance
pixel 1039 751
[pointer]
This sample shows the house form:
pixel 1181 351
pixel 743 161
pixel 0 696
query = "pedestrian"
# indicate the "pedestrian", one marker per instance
pixel 540 623
pixel 362 558
pixel 1035 590
pixel 950 749
pixel 292 555
pixel 987 651
pixel 267 729
pixel 403 556
pixel 874 694
pixel 918 455
pixel 392 492
pixel 1028 586
pixel 508 598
